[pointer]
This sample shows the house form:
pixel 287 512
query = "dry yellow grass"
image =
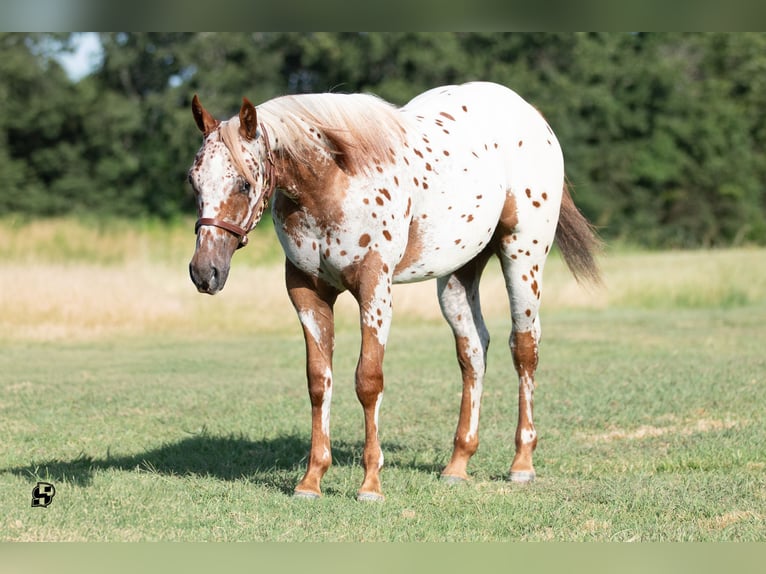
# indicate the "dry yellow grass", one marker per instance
pixel 687 428
pixel 71 280
pixel 731 518
pixel 54 301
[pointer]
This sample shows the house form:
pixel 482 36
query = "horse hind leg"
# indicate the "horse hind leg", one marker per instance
pixel 461 307
pixel 522 263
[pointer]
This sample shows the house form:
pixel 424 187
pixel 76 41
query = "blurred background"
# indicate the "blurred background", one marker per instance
pixel 663 133
pixel 663 136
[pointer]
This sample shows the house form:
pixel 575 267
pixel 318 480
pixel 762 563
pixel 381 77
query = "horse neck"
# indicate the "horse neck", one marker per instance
pixel 305 178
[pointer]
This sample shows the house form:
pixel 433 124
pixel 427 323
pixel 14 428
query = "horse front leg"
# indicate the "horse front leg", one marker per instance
pixel 370 283
pixel 369 391
pixel 313 301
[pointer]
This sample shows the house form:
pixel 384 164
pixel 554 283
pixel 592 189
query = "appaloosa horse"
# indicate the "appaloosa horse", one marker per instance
pixel 365 195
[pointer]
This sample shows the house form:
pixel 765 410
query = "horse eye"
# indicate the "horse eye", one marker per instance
pixel 244 187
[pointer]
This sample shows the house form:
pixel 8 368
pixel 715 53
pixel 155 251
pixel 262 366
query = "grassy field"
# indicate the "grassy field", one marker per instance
pixel 161 414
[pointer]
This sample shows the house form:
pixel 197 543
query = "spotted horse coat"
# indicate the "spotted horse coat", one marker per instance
pixel 365 195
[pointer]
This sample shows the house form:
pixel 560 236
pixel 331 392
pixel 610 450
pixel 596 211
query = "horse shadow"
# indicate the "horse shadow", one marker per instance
pixel 272 462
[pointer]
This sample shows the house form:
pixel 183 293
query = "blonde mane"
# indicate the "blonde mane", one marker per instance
pixel 359 130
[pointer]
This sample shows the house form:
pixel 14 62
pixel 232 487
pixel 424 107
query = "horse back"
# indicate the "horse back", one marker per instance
pixel 476 154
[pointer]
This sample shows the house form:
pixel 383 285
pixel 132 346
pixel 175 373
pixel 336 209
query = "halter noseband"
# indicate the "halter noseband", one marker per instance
pixel 267 190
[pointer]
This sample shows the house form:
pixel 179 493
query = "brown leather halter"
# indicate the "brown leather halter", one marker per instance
pixel 267 190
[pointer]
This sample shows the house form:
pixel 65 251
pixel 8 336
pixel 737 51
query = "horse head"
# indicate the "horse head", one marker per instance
pixel 233 179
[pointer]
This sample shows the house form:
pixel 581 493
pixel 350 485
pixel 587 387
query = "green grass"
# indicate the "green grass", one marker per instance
pixel 161 414
pixel 651 429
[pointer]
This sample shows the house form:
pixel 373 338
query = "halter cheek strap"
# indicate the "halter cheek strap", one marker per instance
pixel 267 191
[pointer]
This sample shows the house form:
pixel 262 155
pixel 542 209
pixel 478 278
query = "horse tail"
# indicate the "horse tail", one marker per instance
pixel 578 241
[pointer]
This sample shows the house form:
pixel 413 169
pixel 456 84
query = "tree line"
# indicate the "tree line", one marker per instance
pixel 663 133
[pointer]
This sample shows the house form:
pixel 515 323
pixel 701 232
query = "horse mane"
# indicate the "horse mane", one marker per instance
pixel 359 131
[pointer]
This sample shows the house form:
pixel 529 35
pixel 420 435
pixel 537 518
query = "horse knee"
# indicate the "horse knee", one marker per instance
pixel 369 381
pixel 320 382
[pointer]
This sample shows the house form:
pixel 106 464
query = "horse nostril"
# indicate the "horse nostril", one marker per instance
pixel 207 276
pixel 199 279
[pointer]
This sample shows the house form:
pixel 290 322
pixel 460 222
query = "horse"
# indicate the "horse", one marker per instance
pixel 364 195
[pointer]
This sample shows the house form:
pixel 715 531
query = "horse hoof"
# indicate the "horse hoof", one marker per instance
pixel 369 497
pixel 522 476
pixel 306 495
pixel 452 479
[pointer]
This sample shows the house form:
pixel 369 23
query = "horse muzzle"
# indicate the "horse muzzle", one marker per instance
pixel 209 270
pixel 209 267
pixel 208 278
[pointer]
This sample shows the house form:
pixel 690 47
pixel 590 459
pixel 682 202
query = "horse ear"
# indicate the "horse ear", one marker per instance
pixel 205 122
pixel 248 120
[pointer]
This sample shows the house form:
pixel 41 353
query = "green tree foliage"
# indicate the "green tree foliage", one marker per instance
pixel 663 133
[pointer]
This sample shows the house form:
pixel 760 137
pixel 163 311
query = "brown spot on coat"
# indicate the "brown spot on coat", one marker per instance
pixel 364 240
pixel 509 217
pixel 524 353
pixel 414 247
